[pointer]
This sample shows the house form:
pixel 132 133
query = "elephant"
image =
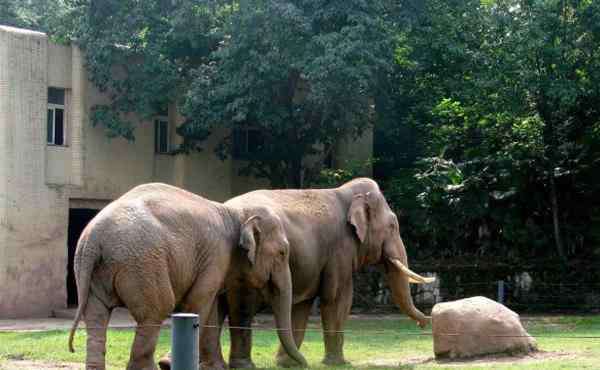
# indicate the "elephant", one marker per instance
pixel 332 233
pixel 159 249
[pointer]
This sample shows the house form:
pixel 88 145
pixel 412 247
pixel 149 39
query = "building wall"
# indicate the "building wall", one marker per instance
pixel 32 215
pixel 351 152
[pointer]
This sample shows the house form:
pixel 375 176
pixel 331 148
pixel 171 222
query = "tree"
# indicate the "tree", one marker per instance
pixel 507 110
pixel 8 14
pixel 304 73
pixel 141 53
pixel 37 15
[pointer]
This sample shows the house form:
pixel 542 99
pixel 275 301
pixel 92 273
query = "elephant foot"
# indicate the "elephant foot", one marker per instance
pixel 286 361
pixel 165 362
pixel 241 363
pixel 213 366
pixel 133 366
pixel 335 361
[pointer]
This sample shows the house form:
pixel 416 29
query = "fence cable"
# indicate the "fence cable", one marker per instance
pixel 347 331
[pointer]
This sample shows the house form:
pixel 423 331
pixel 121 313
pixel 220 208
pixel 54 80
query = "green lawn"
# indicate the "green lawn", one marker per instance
pixel 370 343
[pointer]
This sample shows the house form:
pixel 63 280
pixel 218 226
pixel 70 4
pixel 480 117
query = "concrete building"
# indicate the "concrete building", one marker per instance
pixel 57 170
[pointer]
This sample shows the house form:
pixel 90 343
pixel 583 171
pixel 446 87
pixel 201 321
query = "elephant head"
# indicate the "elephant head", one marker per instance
pixel 266 267
pixel 377 230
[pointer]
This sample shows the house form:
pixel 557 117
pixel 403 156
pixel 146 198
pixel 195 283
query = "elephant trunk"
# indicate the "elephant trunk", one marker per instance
pixel 399 277
pixel 281 301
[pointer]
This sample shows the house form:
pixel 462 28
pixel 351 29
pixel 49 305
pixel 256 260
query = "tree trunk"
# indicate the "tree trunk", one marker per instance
pixel 555 221
pixel 294 169
pixel 551 145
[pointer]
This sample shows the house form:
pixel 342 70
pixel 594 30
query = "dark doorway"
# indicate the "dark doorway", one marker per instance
pixel 78 219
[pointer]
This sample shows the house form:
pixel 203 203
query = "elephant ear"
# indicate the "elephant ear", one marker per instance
pixel 361 213
pixel 358 216
pixel 250 237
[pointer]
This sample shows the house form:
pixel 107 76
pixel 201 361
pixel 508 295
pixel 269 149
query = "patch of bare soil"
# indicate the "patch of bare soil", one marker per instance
pixel 491 360
pixel 38 365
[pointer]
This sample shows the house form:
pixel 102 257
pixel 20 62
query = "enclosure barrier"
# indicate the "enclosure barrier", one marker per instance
pixel 186 328
pixel 185 341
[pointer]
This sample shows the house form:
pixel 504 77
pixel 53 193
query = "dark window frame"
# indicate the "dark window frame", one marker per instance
pixel 56 119
pixel 161 138
pixel 247 142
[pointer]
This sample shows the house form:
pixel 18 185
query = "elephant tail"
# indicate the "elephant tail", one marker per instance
pixel 87 255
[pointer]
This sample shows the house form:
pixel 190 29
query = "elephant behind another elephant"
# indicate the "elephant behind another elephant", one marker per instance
pixel 159 248
pixel 332 233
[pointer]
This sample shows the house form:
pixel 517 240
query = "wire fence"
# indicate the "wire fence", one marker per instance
pixel 545 290
pixel 532 294
pixel 541 330
pixel 361 332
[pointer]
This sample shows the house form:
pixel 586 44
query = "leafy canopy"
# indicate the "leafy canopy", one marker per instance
pixel 505 99
pixel 302 72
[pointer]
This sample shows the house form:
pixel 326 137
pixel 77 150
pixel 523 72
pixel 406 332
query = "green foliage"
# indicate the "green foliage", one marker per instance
pixel 486 112
pixel 504 101
pixel 141 53
pixel 8 14
pixel 302 72
pixel 39 15
pixel 334 177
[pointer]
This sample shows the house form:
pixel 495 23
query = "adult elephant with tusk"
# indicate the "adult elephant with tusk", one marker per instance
pixel 332 233
pixel 159 248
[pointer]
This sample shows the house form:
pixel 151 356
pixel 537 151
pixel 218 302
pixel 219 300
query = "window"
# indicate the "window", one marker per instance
pixel 56 125
pixel 161 135
pixel 247 142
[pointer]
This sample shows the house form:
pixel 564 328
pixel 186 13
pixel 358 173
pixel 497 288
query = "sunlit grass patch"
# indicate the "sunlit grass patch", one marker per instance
pixel 369 343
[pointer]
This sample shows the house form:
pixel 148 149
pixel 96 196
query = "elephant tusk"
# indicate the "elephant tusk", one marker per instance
pixel 413 277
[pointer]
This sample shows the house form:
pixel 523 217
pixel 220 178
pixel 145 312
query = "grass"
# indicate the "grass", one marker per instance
pixel 369 340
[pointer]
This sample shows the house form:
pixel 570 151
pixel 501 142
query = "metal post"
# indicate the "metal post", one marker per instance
pixel 185 341
pixel 501 291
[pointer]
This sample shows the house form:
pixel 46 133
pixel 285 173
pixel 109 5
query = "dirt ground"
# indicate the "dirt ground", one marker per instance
pixel 62 321
pixel 484 361
pixel 37 365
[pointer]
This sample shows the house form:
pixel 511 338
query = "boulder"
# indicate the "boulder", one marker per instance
pixel 477 326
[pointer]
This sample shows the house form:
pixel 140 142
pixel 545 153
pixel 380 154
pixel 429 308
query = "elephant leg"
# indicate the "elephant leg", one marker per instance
pixel 150 299
pixel 243 304
pixel 96 317
pixel 334 313
pixel 201 300
pixel 300 314
pixel 144 344
pixel 211 355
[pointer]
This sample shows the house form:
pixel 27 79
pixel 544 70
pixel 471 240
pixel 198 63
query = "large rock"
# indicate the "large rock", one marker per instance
pixel 477 326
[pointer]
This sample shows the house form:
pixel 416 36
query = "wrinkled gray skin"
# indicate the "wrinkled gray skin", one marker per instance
pixel 159 248
pixel 332 233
